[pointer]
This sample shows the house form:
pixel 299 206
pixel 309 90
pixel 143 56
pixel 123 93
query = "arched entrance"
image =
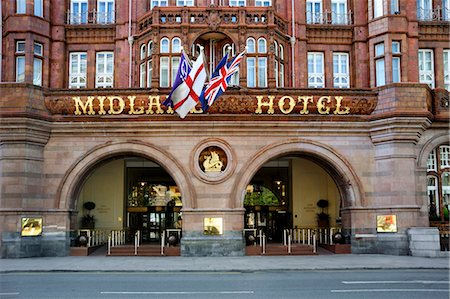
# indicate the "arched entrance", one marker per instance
pixel 133 187
pixel 300 184
pixel 291 192
pixel 130 193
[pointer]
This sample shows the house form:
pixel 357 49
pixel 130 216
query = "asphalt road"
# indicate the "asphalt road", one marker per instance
pixel 283 284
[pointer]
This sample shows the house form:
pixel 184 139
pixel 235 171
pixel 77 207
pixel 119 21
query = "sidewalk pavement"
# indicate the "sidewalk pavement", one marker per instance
pixel 220 264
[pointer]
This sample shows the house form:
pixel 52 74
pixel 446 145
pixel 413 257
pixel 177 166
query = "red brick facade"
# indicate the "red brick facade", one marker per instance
pixel 46 150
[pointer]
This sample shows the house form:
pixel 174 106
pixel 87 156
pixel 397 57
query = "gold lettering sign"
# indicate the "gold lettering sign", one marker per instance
pixel 213 226
pixel 260 104
pixel 31 227
pixel 386 223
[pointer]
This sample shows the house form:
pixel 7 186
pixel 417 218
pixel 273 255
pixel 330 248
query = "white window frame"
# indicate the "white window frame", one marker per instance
pixel 395 8
pixel 165 45
pixel 19 44
pixel 339 12
pixel 238 3
pixel 21 6
pixel 316 76
pixel 380 65
pixel 142 74
pixel 176 45
pixel 20 61
pixel 378 9
pixel 444 153
pixel 79 76
pixel 262 71
pixel 433 190
pixel 104 78
pixel 396 62
pixel 314 14
pixel 37 71
pixel 20 68
pixel 164 72
pixel 446 63
pixel 426 74
pixel 79 17
pixel 341 74
pixel 38 51
pixel 251 71
pixel 185 3
pixel 265 3
pixel 149 73
pixel 143 51
pixel 425 10
pixel 446 10
pixel 262 45
pixel 108 15
pixel 39 8
pixel 432 161
pixel 158 3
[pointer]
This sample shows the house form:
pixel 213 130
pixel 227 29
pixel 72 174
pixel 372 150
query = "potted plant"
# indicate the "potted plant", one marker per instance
pixel 88 220
pixel 323 219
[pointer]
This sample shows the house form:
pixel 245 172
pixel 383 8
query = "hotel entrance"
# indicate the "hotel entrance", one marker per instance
pixel 133 203
pixel 292 206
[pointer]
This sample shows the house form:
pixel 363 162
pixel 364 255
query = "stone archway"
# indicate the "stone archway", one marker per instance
pixel 347 182
pixel 73 180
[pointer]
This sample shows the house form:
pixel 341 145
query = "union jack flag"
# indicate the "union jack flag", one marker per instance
pixel 220 80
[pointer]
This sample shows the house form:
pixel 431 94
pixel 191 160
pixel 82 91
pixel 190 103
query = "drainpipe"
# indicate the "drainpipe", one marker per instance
pixel 1 41
pixel 292 40
pixel 130 42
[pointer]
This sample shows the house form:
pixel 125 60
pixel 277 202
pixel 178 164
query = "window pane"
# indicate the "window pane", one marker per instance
pixel 379 49
pixel 262 45
pixel 251 45
pixel 251 72
pixel 176 45
pixel 165 45
pixel 377 8
pixel 20 47
pixel 37 72
pixel 380 73
pixel 21 6
pixel 142 74
pixel 396 47
pixel 446 69
pixel 262 72
pixel 38 9
pixel 164 72
pixel 396 69
pixel 175 65
pixel 37 49
pixel 20 69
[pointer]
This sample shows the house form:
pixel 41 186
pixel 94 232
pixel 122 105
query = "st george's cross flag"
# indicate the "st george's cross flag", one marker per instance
pixel 220 80
pixel 185 96
pixel 184 68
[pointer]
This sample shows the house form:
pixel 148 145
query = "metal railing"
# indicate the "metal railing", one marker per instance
pixel 163 238
pixel 137 241
pixel 90 17
pixel 116 238
pixel 95 237
pixel 436 14
pixel 329 17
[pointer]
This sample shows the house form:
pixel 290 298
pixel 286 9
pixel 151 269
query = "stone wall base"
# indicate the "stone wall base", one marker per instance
pixel 48 244
pixel 424 241
pixel 375 243
pixel 231 243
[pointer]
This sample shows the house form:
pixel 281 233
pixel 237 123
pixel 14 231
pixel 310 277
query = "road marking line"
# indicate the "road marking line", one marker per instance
pixel 175 293
pixel 399 281
pixel 9 294
pixel 390 290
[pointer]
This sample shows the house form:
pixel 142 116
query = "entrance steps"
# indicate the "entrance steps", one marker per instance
pixel 144 250
pixel 280 249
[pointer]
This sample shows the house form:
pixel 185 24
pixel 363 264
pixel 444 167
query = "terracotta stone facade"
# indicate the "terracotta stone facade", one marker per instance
pixel 376 152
